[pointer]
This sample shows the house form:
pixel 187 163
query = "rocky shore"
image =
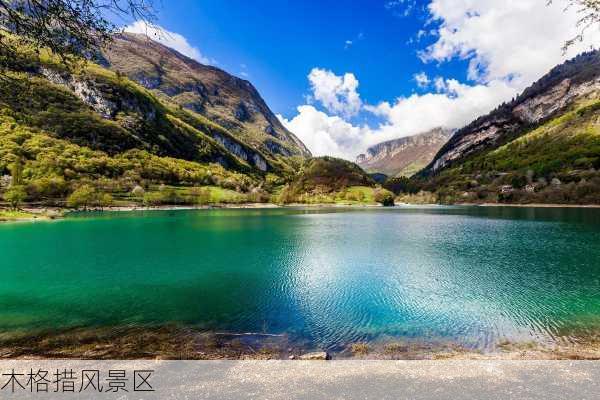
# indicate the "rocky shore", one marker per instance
pixel 184 343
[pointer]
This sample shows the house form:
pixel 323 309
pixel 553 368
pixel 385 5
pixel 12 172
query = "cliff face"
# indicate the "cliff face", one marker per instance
pixel 404 156
pixel 147 125
pixel 573 81
pixel 231 102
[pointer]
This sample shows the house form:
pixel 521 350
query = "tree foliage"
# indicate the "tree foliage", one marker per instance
pixel 83 197
pixel 67 27
pixel 384 197
pixel 15 195
pixel 589 16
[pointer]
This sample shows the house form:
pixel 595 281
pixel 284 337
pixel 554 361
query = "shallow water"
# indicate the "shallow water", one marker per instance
pixel 327 277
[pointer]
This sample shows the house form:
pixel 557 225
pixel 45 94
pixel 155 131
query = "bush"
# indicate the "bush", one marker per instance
pixel 384 197
pixel 286 196
pixel 165 196
pixel 47 187
pixel 83 197
pixel 518 180
pixel 200 195
pixel 15 195
pixel 401 184
pixel 153 198
pixel 138 191
pixel 105 200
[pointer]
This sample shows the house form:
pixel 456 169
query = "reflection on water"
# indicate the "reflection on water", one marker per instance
pixel 472 275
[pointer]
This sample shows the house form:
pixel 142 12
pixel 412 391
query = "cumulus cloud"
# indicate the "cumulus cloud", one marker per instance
pixel 508 45
pixel 422 79
pixel 456 105
pixel 170 39
pixel 517 40
pixel 336 93
pixel 324 134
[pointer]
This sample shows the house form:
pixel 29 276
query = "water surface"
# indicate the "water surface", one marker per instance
pixel 470 275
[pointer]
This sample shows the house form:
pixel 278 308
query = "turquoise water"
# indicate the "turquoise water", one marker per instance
pixel 471 275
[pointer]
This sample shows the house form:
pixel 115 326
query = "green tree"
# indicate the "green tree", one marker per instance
pixel 589 16
pixel 200 195
pixel 401 184
pixel 16 171
pixel 82 197
pixel 15 195
pixel 384 197
pixel 67 27
pixel 105 200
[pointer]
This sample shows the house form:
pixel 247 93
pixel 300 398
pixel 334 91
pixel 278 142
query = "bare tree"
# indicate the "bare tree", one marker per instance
pixel 589 16
pixel 68 28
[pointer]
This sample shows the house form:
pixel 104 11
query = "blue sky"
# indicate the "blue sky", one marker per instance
pixel 279 42
pixel 343 75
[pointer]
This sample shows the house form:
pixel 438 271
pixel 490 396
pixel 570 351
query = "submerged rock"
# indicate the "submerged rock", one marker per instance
pixel 318 355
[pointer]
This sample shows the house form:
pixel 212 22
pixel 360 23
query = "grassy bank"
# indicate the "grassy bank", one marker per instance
pixel 7 215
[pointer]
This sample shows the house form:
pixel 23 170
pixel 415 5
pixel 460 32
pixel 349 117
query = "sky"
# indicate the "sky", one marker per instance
pixel 344 75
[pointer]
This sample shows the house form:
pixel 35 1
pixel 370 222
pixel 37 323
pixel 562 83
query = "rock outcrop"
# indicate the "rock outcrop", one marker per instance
pixel 231 102
pixel 318 355
pixel 576 80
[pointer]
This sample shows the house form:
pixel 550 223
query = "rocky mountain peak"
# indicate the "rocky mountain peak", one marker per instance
pixel 229 101
pixel 566 84
pixel 406 155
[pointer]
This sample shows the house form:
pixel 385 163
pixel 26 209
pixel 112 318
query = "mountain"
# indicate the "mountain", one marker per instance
pixel 544 146
pixel 404 156
pixel 332 180
pixel 576 80
pixel 230 102
pixel 64 126
pixel 328 174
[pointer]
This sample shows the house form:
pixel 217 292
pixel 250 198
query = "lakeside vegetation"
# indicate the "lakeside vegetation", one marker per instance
pixel 557 162
pixel 126 146
pixel 30 184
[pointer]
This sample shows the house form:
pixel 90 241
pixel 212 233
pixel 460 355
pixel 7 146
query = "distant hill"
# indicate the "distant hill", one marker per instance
pixel 329 174
pixel 379 177
pixel 404 156
pixel 230 102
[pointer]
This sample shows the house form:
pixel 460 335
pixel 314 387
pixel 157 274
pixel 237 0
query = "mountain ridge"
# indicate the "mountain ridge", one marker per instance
pixel 550 95
pixel 404 156
pixel 542 147
pixel 227 100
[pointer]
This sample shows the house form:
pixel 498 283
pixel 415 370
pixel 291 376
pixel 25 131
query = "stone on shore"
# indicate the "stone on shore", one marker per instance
pixel 318 355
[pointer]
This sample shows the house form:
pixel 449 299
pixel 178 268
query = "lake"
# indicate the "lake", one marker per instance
pixel 327 277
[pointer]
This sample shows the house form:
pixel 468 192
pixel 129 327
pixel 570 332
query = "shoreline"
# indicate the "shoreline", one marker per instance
pixel 534 205
pixel 172 342
pixel 43 213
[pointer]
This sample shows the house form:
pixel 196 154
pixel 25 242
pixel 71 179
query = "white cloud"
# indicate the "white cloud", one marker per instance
pixel 508 44
pixel 348 44
pixel 401 8
pixel 457 105
pixel 336 93
pixel 170 39
pixel 518 40
pixel 324 134
pixel 422 79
